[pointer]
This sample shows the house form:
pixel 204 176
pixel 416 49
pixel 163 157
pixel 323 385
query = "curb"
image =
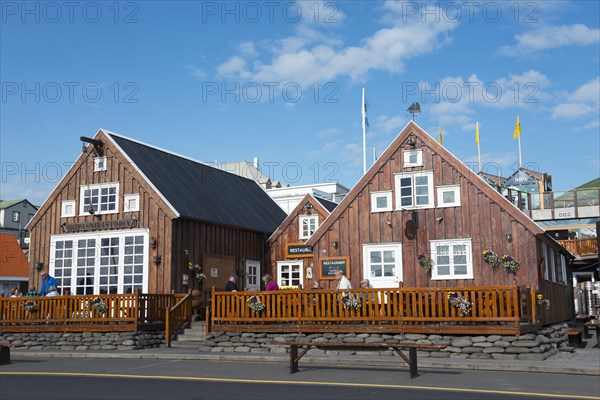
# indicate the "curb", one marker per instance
pixel 362 361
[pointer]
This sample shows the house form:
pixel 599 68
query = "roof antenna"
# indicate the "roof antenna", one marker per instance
pixel 415 108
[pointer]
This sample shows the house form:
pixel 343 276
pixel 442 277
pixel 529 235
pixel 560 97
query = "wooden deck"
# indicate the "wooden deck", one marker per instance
pixel 494 310
pixel 124 312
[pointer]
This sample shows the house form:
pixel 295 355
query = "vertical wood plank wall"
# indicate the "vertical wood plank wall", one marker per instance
pixel 478 218
pixel 154 215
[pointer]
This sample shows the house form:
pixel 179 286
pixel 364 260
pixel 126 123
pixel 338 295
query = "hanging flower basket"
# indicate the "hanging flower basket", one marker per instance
pixel 351 302
pixel 30 306
pixel 425 261
pixel 460 302
pixel 98 305
pixel 510 264
pixel 255 304
pixel 491 258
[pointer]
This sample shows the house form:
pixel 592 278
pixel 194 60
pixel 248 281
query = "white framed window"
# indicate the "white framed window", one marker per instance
pixel 104 199
pixel 131 202
pixel 67 208
pixel 382 264
pixel 290 273
pixel 448 196
pixel 413 158
pixel 308 225
pixel 99 164
pixel 16 217
pixel 100 262
pixel 414 190
pixel 452 259
pixel 381 201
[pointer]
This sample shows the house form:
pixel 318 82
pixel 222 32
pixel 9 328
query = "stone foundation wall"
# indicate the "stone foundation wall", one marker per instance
pixel 533 346
pixel 84 340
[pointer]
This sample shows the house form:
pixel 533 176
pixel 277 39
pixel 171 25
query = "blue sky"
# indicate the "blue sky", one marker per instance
pixel 227 81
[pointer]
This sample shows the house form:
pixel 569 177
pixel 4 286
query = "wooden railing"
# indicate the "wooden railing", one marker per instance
pixel 177 317
pixel 389 309
pixel 581 247
pixel 124 312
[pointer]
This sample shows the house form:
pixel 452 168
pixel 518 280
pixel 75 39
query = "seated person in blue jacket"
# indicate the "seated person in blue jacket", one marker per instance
pixel 47 281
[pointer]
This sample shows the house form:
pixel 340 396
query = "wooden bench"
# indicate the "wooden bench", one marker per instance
pixel 4 355
pixel 575 335
pixel 411 359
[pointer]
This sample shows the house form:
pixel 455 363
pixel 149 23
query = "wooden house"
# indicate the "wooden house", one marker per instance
pixel 418 201
pixel 130 217
pixel 291 260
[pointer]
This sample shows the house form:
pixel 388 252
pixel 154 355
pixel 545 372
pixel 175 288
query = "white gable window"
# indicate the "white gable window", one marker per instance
pixel 99 199
pixel 131 202
pixel 381 201
pixel 448 196
pixel 413 158
pixel 67 208
pixel 99 164
pixel 308 225
pixel 453 259
pixel 414 190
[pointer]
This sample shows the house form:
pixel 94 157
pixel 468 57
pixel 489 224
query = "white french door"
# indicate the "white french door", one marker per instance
pixel 382 264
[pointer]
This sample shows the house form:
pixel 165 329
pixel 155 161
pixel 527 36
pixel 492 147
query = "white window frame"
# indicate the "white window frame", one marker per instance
pixel 448 188
pixel 383 280
pixel 412 176
pixel 452 242
pixel 64 205
pixel 98 236
pixel 100 164
pixel 289 281
pixel 406 154
pixel 305 235
pixel 84 211
pixel 129 197
pixel 375 195
pixel 16 216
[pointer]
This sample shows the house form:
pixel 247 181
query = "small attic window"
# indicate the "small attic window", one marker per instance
pixel 99 164
pixel 413 158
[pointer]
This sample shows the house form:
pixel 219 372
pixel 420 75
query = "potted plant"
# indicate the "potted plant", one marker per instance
pixel 425 261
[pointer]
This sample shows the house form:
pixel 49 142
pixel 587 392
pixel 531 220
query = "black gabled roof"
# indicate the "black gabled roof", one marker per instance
pixel 329 205
pixel 200 192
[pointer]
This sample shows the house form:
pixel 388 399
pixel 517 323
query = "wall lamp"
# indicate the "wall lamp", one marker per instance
pixel 157 260
pixel 412 141
pixel 39 265
pixel 308 207
pixel 336 244
pixel 509 237
pixel 153 242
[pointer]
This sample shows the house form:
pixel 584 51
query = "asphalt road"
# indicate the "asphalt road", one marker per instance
pixel 90 379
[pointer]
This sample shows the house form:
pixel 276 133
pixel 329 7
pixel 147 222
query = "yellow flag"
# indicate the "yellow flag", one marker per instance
pixel 440 140
pixel 477 132
pixel 517 129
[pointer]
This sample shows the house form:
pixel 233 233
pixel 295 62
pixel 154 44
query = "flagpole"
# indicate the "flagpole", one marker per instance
pixel 364 128
pixel 520 156
pixel 478 145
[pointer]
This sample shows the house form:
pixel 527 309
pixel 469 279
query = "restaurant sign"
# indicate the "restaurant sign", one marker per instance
pixel 299 250
pixel 100 225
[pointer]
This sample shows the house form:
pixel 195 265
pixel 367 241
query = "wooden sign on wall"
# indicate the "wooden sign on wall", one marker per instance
pixel 299 250
pixel 330 265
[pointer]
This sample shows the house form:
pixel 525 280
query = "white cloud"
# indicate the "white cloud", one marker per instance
pixel 583 101
pixel 196 72
pixel 327 133
pixel 390 124
pixel 551 37
pixel 311 56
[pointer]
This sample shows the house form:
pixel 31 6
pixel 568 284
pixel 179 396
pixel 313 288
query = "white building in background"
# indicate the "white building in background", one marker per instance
pixel 289 197
pixel 286 196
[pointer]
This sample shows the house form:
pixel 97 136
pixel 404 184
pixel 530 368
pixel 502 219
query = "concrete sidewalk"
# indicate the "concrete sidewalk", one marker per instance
pixel 580 362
